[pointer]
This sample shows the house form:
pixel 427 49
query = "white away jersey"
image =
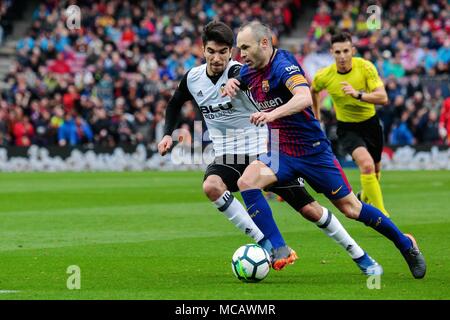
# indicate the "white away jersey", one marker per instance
pixel 227 119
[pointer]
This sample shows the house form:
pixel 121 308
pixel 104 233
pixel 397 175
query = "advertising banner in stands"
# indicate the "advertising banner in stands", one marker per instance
pixel 132 158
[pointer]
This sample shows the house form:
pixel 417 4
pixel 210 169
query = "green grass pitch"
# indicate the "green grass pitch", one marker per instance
pixel 153 235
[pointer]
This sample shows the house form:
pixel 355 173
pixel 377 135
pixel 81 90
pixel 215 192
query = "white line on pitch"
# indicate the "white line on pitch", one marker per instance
pixel 8 291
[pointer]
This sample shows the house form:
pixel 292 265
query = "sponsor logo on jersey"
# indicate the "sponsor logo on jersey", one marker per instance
pixel 216 108
pixel 265 86
pixel 292 69
pixel 217 111
pixel 267 104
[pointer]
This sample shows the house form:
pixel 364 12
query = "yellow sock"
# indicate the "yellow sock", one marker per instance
pixel 372 191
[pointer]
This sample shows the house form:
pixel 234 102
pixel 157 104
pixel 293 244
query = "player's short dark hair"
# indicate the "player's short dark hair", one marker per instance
pixel 219 32
pixel 341 37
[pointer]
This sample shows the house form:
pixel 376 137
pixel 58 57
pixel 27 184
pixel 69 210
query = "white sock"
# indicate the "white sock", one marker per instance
pixel 334 229
pixel 236 213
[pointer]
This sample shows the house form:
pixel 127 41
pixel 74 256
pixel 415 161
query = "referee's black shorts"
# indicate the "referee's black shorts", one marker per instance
pixel 231 167
pixel 368 134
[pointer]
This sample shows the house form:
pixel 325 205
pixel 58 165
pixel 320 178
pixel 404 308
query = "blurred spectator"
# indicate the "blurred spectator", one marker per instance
pixel 74 131
pixel 59 66
pixel 444 121
pixel 431 128
pixel 143 127
pixel 401 134
pixel 44 135
pixel 23 131
pixel 4 128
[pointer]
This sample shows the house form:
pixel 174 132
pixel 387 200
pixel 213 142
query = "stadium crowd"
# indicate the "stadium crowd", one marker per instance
pixel 410 48
pixel 109 82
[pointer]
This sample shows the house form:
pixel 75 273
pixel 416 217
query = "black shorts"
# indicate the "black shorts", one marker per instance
pixel 368 134
pixel 231 167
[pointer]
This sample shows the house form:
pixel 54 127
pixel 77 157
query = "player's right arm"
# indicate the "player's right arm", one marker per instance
pixel 316 87
pixel 173 110
pixel 316 103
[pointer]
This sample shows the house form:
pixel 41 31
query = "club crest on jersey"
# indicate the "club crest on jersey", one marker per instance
pixel 265 86
pixel 222 87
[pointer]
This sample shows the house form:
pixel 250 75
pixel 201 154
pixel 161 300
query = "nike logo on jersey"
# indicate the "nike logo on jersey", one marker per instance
pixel 333 192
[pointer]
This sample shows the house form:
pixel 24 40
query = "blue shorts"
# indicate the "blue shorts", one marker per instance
pixel 322 171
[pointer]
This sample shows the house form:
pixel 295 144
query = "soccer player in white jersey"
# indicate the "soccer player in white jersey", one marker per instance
pixel 236 144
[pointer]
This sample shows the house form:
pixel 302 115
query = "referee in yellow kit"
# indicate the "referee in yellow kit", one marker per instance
pixel 355 88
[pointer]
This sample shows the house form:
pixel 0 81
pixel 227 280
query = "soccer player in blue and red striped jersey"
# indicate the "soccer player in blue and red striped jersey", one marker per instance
pixel 298 146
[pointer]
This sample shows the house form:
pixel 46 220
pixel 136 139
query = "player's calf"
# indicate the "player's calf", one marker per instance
pixel 312 211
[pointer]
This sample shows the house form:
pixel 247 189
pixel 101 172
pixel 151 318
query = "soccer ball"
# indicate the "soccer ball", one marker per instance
pixel 250 263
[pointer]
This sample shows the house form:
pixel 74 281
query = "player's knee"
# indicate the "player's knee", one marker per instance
pixel 312 211
pixel 367 166
pixel 351 209
pixel 246 182
pixel 213 188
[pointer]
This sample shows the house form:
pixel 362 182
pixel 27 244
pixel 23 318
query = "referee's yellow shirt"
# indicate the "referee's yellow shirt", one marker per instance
pixel 363 77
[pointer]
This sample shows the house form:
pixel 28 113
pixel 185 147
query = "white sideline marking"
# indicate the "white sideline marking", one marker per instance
pixel 8 291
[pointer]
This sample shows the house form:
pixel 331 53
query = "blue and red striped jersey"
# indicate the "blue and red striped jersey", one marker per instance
pixel 270 87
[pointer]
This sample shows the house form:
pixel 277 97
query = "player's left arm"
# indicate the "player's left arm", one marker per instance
pixel 377 96
pixel 376 92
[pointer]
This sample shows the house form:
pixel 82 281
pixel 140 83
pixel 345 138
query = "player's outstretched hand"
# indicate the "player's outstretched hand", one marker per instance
pixel 164 145
pixel 261 118
pixel 231 88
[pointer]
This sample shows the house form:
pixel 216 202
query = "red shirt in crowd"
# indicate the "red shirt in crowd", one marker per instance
pixel 69 100
pixel 322 19
pixel 128 35
pixel 23 131
pixel 444 120
pixel 59 66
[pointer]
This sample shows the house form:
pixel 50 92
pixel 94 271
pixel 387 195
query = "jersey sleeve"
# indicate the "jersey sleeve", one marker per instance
pixel 243 77
pixel 180 96
pixel 373 80
pixel 291 73
pixel 234 71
